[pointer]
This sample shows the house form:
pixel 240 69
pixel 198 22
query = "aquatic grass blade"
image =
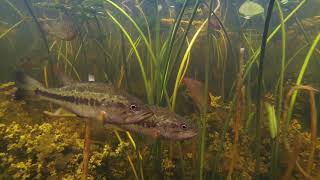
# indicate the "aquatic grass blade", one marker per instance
pixel 128 156
pixel 273 123
pixel 184 63
pixel 172 38
pixel 149 47
pixel 170 64
pixel 15 9
pixel 300 76
pixel 256 54
pixel 11 28
pixel 259 88
pixel 279 90
pixel 142 69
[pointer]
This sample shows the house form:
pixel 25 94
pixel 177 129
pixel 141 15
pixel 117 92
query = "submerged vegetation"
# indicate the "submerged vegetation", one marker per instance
pixel 198 58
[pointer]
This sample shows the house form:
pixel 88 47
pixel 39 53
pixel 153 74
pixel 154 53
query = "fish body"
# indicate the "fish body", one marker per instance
pixel 34 60
pixel 63 29
pixel 90 100
pixel 164 124
pixel 196 89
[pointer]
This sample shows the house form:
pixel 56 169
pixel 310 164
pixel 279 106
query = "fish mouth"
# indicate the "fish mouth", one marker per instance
pixel 188 135
pixel 184 135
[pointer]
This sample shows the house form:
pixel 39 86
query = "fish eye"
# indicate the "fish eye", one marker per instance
pixel 184 126
pixel 133 107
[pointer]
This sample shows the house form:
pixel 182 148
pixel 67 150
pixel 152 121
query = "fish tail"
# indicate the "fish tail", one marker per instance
pixel 26 85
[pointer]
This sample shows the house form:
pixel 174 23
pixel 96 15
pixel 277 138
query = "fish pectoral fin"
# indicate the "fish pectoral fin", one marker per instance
pixel 60 112
pixel 155 135
pixel 63 111
pixel 106 118
pixel 103 116
pixel 113 127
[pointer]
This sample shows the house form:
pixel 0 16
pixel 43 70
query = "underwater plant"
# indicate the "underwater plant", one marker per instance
pixel 198 58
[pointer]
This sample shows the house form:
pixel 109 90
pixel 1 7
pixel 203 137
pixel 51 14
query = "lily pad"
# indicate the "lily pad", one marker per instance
pixel 250 9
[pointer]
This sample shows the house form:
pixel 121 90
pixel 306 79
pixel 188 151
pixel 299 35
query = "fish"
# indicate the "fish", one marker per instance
pixel 33 61
pixel 196 92
pixel 196 89
pixel 62 28
pixel 163 124
pixel 93 100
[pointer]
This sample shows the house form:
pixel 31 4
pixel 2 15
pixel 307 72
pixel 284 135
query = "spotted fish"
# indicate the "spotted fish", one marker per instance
pixel 92 100
pixel 163 124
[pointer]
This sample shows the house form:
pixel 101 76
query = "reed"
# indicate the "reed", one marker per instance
pixel 169 49
pixel 144 76
pixel 300 76
pixel 313 124
pixel 259 88
pixel 2 35
pixel 184 63
pixel 238 116
pixel 155 71
pixel 128 156
pixel 164 59
pixel 293 159
pixel 86 150
pixel 294 155
pixel 22 16
pixel 275 144
pixel 145 40
pixel 256 54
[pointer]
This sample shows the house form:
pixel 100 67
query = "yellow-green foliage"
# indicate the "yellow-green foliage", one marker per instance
pixel 52 147
pixel 33 146
pixel 55 150
pixel 39 151
pixel 245 165
pixel 295 131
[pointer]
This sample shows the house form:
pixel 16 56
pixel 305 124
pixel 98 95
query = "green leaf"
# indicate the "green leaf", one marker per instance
pixel 273 125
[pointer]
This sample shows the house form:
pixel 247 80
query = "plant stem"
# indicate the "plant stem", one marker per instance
pixel 86 150
pixel 11 28
pixel 313 125
pixel 172 63
pixel 144 76
pixel 171 43
pixel 259 88
pixel 275 147
pixel 299 79
pixel 183 65
pixel 270 37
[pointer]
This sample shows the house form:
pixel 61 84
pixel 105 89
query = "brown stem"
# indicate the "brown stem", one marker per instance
pixel 291 91
pixel 86 150
pixel 293 159
pixel 238 116
pixel 303 172
pixel 313 123
pixel 295 154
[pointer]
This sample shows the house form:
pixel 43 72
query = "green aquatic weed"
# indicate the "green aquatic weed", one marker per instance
pixel 272 120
